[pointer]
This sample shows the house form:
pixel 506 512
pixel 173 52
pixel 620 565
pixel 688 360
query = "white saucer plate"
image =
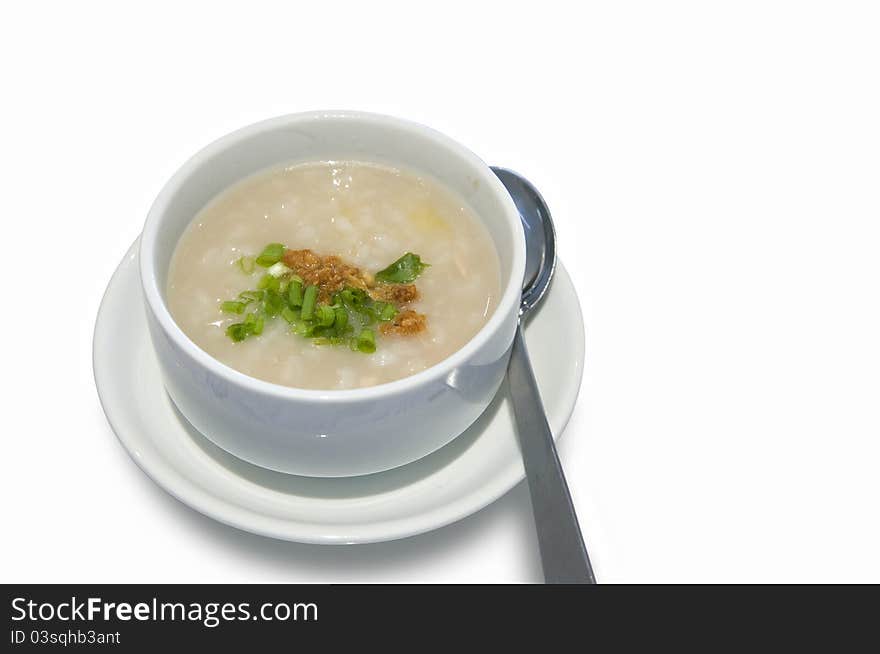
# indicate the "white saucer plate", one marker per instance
pixel 475 469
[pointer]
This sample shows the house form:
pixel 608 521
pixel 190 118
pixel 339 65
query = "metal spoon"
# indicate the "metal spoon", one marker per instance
pixel 563 553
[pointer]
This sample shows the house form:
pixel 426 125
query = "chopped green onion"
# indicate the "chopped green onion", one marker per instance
pixel 328 340
pixel 237 332
pixel 304 329
pixel 324 315
pixel 289 315
pixel 404 270
pixel 385 311
pixel 295 293
pixel 253 323
pixel 246 264
pixel 309 298
pixel 273 303
pixel 271 255
pixel 355 298
pixel 269 282
pixel 341 321
pixel 366 341
pixel 278 269
pixel 251 296
pixel 231 306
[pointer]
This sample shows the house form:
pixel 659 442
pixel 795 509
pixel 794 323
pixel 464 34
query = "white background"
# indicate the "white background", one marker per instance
pixel 714 171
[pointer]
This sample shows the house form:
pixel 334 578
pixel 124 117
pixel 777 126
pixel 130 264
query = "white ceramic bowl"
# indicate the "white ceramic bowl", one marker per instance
pixel 331 433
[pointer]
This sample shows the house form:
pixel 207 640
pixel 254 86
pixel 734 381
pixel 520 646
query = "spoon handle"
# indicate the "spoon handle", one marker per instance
pixel 563 553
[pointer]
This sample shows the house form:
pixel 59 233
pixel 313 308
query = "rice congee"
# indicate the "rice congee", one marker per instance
pixel 334 275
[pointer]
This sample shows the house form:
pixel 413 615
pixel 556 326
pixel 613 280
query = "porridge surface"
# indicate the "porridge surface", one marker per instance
pixel 367 214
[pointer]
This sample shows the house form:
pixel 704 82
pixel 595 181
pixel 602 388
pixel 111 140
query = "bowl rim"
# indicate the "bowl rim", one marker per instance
pixel 508 302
